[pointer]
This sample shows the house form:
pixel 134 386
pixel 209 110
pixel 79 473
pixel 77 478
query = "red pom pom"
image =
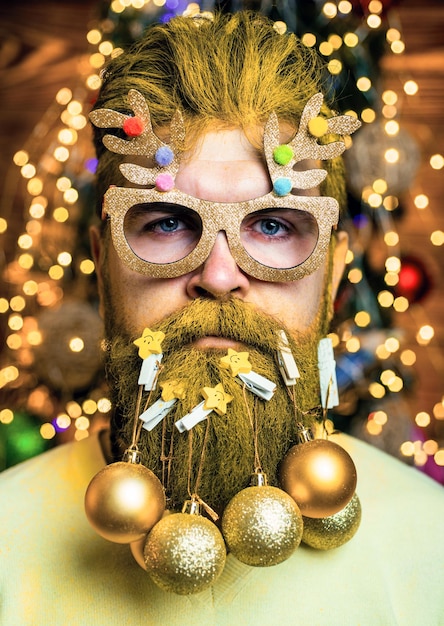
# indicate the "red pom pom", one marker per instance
pixel 133 126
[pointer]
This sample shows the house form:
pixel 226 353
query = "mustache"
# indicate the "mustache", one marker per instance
pixel 231 319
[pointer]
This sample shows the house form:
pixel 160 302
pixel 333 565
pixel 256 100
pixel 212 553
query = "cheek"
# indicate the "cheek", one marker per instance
pixel 295 304
pixel 135 301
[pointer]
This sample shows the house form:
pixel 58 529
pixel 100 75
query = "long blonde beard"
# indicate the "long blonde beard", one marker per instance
pixel 217 457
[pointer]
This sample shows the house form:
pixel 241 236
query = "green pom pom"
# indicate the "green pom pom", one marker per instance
pixel 283 154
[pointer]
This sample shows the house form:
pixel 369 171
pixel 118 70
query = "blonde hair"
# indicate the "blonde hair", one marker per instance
pixel 229 72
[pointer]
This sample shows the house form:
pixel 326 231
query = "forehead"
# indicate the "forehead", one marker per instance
pixel 224 167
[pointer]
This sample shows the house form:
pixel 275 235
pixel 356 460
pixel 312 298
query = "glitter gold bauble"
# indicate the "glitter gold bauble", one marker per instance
pixel 331 532
pixel 124 501
pixel 184 553
pixel 262 526
pixel 320 476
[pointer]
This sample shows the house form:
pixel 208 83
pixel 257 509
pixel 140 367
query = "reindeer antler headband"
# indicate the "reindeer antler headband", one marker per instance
pixel 162 232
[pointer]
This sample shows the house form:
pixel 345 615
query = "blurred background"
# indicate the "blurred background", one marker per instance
pixel 384 63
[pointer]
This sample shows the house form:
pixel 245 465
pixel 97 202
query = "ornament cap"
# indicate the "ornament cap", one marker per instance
pixel 192 507
pixel 131 455
pixel 258 479
pixel 303 434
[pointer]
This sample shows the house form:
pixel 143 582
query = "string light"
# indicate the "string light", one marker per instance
pixel 437 161
pixel 421 201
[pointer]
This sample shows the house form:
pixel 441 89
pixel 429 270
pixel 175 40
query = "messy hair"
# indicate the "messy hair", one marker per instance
pixel 231 71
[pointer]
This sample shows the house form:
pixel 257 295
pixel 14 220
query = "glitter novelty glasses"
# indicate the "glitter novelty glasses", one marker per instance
pixel 163 232
pixel 271 238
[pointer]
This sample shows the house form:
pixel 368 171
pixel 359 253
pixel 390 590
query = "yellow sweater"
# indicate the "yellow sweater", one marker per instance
pixel 55 570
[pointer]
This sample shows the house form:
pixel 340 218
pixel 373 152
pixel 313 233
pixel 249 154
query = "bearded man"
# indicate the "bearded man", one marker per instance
pixel 218 259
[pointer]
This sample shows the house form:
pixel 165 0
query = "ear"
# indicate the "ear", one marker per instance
pixel 97 244
pixel 339 255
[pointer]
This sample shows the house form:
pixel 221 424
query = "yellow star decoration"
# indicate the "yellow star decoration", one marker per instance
pixel 236 362
pixel 216 399
pixel 173 389
pixel 149 343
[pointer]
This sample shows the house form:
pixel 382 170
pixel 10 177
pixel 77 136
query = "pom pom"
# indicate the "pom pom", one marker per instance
pixel 164 182
pixel 283 154
pixel 133 126
pixel 164 156
pixel 282 186
pixel 318 126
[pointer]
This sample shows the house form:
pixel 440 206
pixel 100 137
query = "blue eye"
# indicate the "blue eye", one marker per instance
pixel 169 224
pixel 161 232
pixel 271 227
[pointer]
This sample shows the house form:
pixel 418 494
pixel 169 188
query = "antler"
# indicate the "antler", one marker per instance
pixel 305 143
pixel 304 146
pixel 143 142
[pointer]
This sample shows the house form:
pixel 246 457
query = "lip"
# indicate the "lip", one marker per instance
pixel 212 342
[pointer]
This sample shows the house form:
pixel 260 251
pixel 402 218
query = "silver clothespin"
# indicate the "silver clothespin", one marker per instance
pixel 327 374
pixel 156 412
pixel 196 415
pixel 148 371
pixel 287 365
pixel 258 385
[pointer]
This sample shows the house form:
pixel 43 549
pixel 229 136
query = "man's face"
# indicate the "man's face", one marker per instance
pixel 224 168
pixel 236 311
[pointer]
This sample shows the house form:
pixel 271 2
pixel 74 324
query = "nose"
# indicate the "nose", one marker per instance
pixel 219 276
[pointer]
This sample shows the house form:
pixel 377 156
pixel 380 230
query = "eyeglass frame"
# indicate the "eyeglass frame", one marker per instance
pixel 219 217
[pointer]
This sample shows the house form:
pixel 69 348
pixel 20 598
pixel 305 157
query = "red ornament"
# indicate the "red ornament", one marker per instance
pixel 414 281
pixel 133 126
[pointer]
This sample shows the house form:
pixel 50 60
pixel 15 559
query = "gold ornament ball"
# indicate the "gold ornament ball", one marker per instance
pixel 320 476
pixel 124 501
pixel 331 532
pixel 184 553
pixel 138 547
pixel 262 526
pixel 137 550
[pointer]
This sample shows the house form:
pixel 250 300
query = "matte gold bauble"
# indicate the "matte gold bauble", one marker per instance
pixel 124 501
pixel 137 549
pixel 320 476
pixel 331 532
pixel 262 526
pixel 184 553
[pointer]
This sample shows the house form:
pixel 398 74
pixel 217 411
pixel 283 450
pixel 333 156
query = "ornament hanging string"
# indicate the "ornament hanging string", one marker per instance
pixel 136 431
pixel 193 494
pixel 166 459
pixel 325 410
pixel 138 425
pixel 292 394
pixel 253 423
pixel 299 414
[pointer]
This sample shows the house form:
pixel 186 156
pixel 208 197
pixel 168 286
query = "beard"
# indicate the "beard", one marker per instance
pixel 216 459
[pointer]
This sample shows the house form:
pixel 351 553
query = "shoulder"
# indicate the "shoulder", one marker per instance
pixel 70 465
pixel 384 475
pixel 398 501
